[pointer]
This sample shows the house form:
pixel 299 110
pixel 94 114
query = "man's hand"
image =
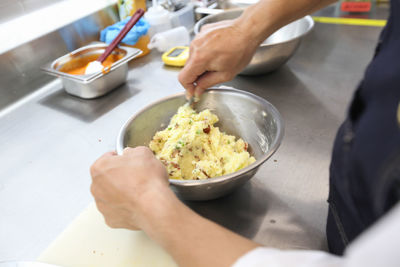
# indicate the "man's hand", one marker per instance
pixel 126 188
pixel 221 50
pixel 217 54
pixel 132 192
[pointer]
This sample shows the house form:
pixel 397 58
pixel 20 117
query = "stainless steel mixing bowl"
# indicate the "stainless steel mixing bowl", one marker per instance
pixel 275 50
pixel 241 114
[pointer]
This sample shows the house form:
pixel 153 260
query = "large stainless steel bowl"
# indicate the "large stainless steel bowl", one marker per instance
pixel 275 50
pixel 241 114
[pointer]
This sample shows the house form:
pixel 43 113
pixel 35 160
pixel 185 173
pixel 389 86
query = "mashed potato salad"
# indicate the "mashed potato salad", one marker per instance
pixel 192 148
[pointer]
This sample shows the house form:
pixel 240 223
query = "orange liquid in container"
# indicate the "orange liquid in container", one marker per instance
pixel 77 66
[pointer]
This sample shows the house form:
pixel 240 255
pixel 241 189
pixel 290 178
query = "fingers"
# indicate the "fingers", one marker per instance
pixel 209 79
pixel 195 66
pixel 205 67
pixel 206 80
pixel 187 81
pixel 190 73
pixel 190 93
pixel 107 213
pixel 211 26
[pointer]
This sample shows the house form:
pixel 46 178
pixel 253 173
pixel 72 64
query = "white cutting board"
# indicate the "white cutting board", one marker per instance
pixel 89 242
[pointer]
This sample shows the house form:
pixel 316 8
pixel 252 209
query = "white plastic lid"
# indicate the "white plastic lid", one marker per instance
pixel 158 42
pixel 164 41
pixel 156 13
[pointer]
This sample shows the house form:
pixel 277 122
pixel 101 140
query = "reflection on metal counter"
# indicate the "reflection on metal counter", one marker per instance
pixel 283 206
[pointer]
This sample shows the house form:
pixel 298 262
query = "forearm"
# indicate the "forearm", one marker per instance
pixel 267 16
pixel 191 239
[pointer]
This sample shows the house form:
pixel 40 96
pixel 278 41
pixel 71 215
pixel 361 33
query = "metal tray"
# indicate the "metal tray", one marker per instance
pixel 96 84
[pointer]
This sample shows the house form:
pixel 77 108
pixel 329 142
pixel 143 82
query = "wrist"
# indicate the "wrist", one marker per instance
pixel 157 208
pixel 255 24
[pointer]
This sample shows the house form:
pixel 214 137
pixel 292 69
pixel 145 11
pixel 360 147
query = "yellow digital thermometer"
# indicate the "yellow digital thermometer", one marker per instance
pixel 176 56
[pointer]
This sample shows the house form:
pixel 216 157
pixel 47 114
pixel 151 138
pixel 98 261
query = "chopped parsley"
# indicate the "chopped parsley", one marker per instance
pixel 179 144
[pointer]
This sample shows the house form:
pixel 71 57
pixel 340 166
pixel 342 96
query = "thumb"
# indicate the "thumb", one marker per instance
pixel 140 151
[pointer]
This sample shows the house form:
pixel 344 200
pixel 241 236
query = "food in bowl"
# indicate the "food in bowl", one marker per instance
pixel 192 148
pixel 263 132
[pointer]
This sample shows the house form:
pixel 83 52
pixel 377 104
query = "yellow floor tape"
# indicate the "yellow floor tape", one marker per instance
pixel 351 21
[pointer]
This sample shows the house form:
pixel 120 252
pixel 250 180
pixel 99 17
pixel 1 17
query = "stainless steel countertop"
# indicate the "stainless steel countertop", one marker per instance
pixel 49 140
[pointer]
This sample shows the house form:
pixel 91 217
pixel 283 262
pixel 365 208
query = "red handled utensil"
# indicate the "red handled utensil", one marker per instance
pixel 134 19
pixel 97 66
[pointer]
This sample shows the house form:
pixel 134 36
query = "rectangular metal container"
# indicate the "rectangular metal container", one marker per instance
pixel 96 84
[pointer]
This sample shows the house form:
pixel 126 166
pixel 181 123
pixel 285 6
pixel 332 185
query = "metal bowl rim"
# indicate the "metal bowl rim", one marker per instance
pixel 308 18
pixel 187 183
pixel 311 24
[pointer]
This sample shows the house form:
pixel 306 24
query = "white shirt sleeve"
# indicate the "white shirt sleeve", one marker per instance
pixel 378 246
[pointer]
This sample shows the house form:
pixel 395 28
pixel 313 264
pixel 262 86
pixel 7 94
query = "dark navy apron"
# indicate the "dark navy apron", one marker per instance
pixel 365 167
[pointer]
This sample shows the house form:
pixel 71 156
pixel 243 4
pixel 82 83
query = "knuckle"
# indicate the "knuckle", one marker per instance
pixel 199 57
pixel 93 169
pixel 99 165
pixel 137 152
pixel 128 150
pixel 143 151
pixel 181 77
pixel 110 222
pixel 205 27
pixel 202 84
pixel 195 43
pixel 94 190
pixel 100 207
pixel 206 83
